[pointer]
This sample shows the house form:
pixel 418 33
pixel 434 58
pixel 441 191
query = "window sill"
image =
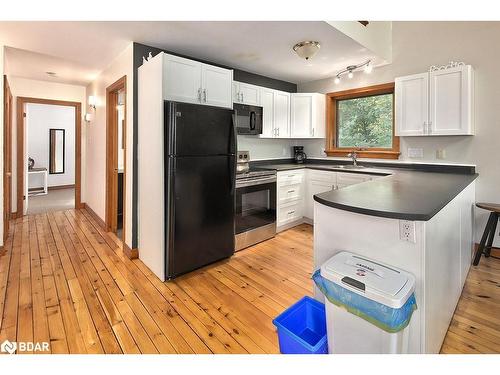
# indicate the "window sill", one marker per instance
pixel 373 154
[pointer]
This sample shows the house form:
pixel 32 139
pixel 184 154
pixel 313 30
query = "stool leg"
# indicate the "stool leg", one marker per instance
pixel 486 233
pixel 487 250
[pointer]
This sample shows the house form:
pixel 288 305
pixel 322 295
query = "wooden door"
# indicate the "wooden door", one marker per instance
pixel 182 81
pixel 412 104
pixel 217 86
pixel 112 170
pixel 7 157
pixel 451 101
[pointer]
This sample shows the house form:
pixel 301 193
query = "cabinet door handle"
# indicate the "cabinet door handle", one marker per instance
pixel 199 94
pixel 291 191
pixel 242 97
pixel 425 127
pixel 291 212
pixel 430 127
pixel 205 95
pixel 278 132
pixel 313 132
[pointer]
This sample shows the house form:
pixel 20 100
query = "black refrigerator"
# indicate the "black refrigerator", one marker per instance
pixel 200 145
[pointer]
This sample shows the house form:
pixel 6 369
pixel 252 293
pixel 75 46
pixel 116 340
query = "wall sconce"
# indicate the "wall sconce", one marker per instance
pixel 92 101
pixel 88 117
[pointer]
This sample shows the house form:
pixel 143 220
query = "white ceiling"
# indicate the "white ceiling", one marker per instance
pixel 77 51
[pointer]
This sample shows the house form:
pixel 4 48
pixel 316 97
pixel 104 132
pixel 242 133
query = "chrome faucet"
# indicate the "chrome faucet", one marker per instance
pixel 354 157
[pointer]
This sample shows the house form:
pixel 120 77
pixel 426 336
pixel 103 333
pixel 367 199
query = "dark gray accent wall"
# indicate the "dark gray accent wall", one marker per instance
pixel 140 50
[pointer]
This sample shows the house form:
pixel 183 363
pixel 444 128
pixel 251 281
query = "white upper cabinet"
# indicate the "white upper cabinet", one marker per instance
pixel 307 115
pixel 451 101
pixel 267 104
pixel 182 81
pixel 190 81
pixel 245 93
pixel 412 104
pixel 282 114
pixel 216 86
pixel 436 103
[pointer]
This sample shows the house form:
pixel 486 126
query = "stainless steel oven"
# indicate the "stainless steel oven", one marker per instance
pixel 255 216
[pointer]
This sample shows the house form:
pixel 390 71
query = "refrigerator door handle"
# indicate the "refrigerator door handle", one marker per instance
pixel 233 150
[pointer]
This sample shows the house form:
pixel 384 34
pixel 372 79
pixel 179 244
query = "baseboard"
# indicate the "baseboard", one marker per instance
pixel 495 251
pixel 130 253
pixel 96 217
pixel 59 187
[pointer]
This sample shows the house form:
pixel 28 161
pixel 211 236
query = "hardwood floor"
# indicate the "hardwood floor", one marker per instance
pixel 65 281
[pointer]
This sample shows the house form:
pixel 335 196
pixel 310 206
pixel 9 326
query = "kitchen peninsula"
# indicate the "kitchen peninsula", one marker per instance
pixel 421 222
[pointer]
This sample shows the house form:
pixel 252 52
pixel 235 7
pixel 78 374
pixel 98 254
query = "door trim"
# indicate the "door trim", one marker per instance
pixel 21 164
pixel 111 206
pixel 7 159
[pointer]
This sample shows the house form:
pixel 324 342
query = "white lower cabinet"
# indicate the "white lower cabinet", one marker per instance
pixel 296 190
pixel 290 198
pixel 313 188
pixel 348 179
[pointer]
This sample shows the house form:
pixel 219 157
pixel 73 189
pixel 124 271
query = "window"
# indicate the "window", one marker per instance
pixel 362 120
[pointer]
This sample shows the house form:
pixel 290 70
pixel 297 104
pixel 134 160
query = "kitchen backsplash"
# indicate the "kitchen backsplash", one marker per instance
pixel 265 148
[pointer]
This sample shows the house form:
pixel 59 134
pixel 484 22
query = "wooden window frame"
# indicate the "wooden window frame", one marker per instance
pixel 331 118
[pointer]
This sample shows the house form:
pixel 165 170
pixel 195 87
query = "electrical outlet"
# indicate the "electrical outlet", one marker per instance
pixel 415 152
pixel 407 231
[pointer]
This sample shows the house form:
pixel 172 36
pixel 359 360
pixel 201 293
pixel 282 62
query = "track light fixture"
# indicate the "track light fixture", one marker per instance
pixel 368 67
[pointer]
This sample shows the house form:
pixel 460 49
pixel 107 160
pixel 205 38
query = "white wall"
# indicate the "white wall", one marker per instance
pixel 416 46
pixel 43 90
pixel 39 119
pixel 96 139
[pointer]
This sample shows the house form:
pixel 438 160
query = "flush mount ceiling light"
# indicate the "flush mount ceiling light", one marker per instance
pixel 306 49
pixel 368 67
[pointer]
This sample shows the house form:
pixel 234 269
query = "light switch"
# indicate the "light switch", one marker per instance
pixel 441 154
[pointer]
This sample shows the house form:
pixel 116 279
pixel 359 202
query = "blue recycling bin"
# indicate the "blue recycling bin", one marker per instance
pixel 302 328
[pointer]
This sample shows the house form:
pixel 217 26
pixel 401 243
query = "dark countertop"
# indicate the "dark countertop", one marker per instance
pixel 326 167
pixel 402 194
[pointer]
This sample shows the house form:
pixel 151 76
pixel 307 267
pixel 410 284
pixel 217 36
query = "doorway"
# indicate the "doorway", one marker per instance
pixel 116 131
pixel 48 155
pixel 7 157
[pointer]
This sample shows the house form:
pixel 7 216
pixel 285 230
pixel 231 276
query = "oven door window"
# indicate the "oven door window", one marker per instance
pixel 255 207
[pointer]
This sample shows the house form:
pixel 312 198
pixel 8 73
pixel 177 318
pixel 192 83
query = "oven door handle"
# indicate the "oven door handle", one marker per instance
pixel 257 181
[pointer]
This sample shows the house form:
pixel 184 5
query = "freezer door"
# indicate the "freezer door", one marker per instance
pixel 201 213
pixel 194 130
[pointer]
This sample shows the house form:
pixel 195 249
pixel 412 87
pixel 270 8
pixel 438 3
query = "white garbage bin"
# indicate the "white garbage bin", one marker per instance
pixel 368 305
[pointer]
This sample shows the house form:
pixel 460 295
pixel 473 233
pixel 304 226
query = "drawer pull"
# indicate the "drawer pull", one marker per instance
pixel 291 191
pixel 291 212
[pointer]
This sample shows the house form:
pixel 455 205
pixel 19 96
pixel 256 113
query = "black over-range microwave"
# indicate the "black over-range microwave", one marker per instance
pixel 248 119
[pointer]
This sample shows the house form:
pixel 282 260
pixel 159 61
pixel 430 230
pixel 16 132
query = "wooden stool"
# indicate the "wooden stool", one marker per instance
pixel 489 231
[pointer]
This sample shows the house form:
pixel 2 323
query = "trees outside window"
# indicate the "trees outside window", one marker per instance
pixel 362 120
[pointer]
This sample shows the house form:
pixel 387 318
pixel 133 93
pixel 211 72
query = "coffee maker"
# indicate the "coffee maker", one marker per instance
pixel 298 154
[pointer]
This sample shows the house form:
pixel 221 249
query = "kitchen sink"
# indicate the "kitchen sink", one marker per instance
pixel 350 166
